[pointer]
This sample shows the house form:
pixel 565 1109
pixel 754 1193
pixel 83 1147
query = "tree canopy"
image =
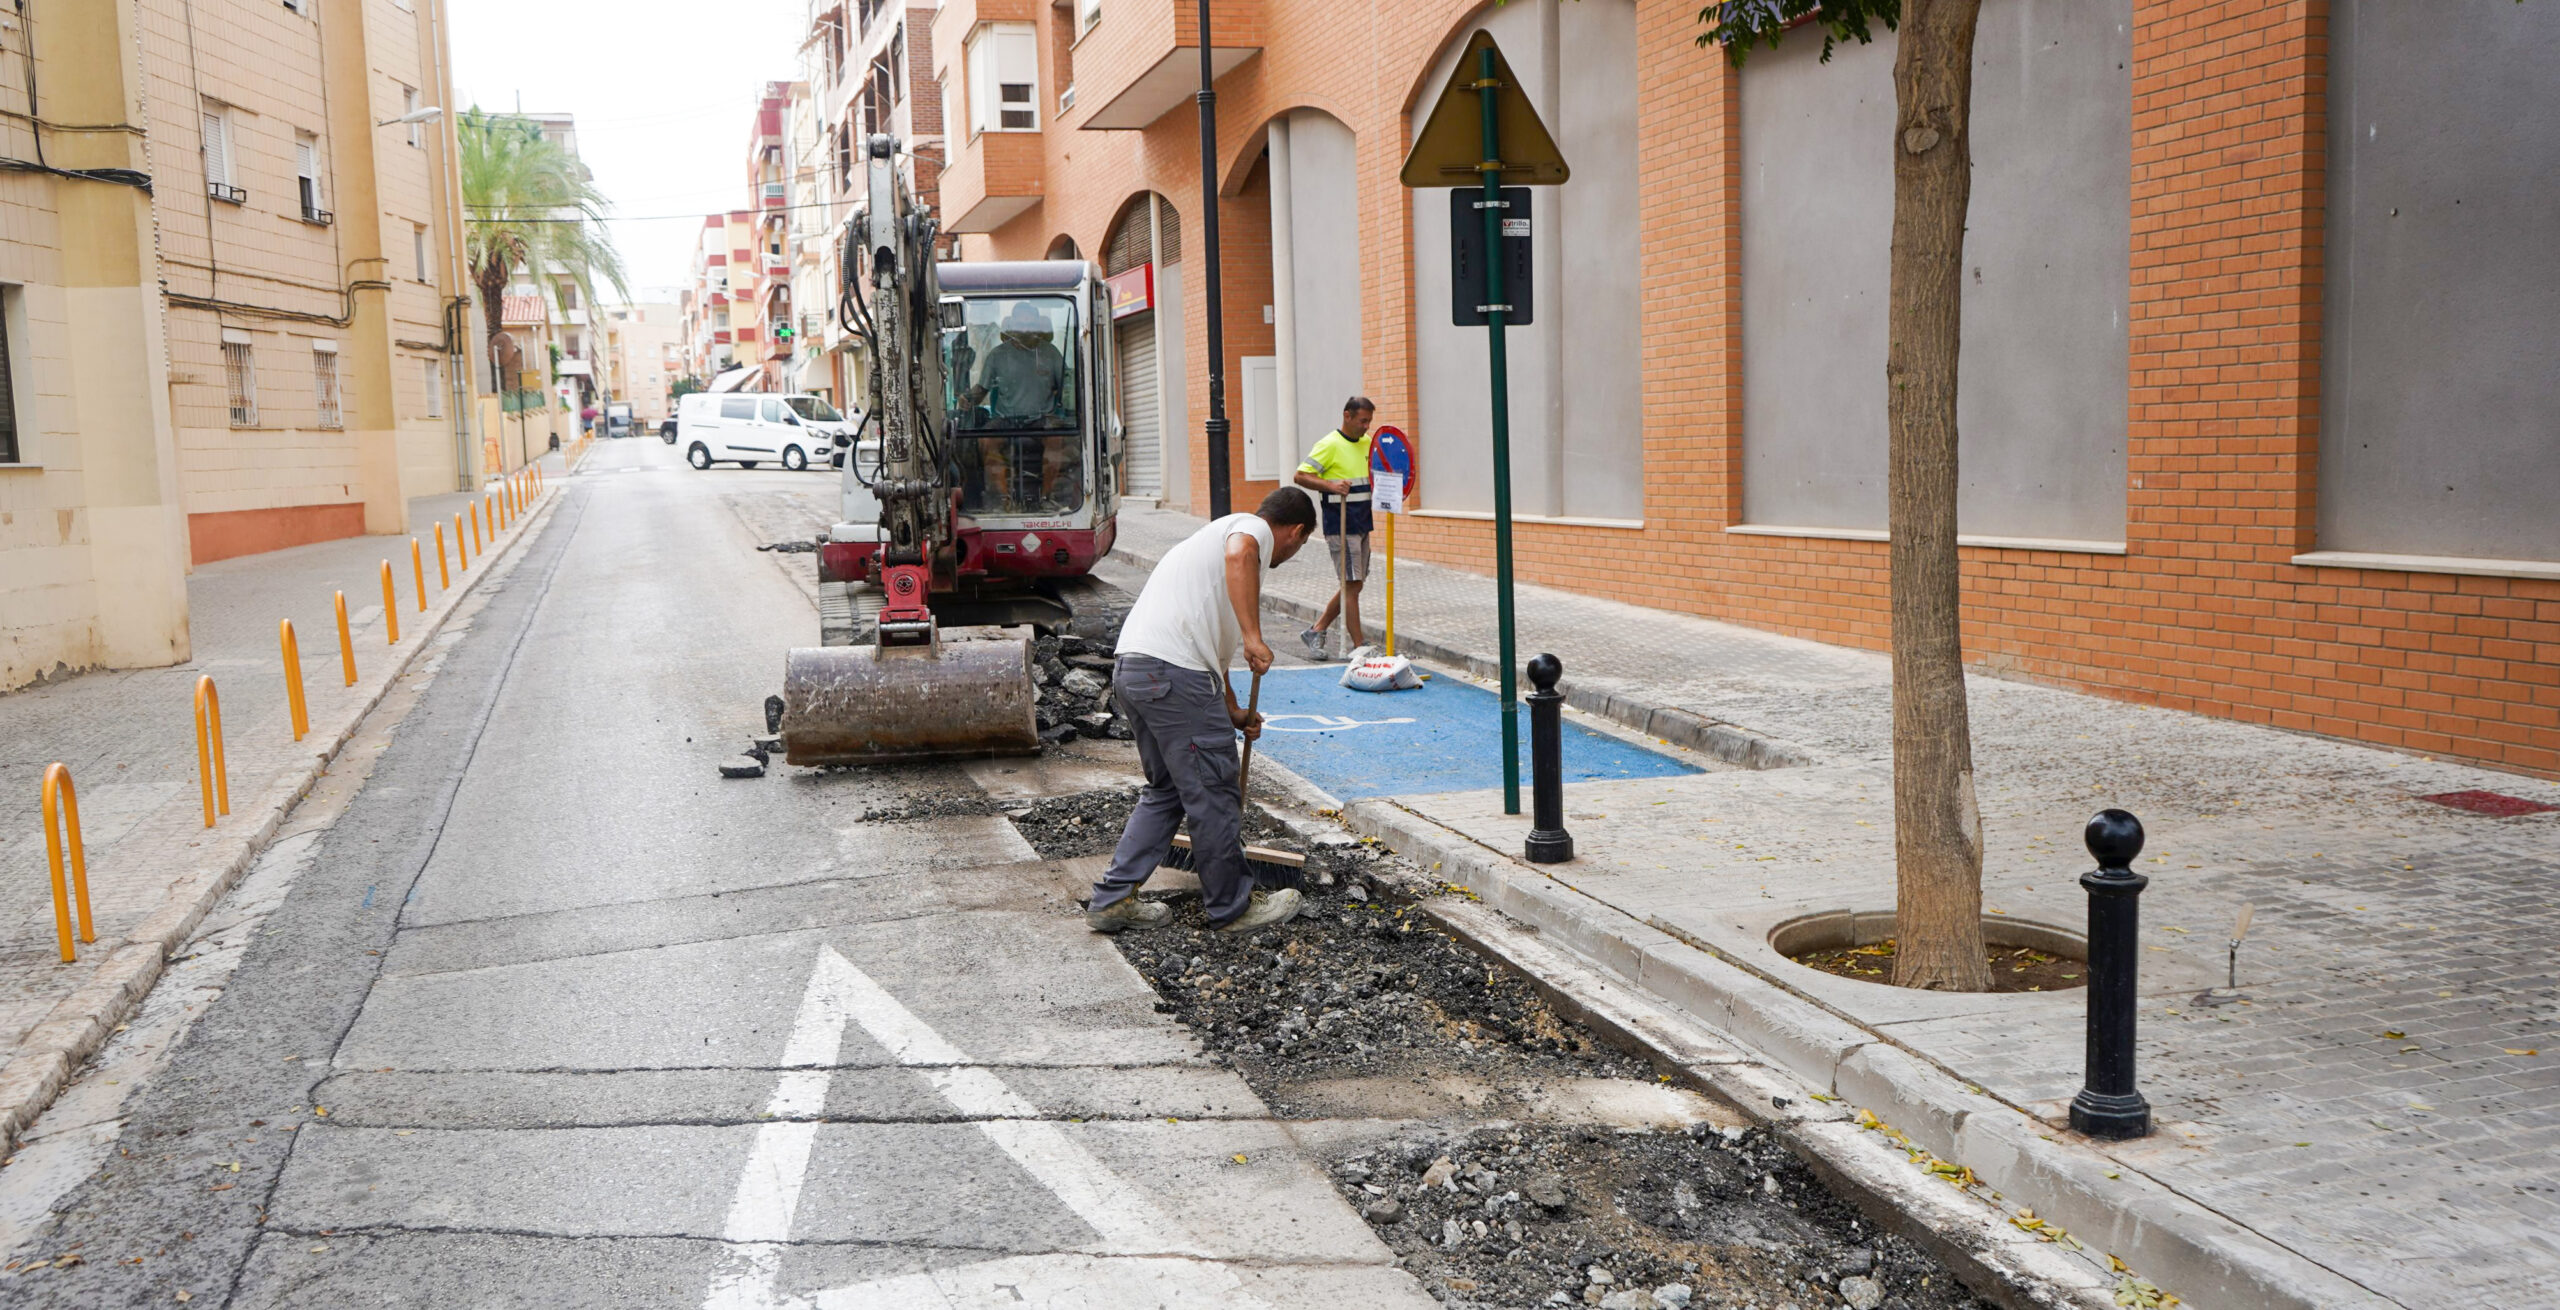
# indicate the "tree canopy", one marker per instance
pixel 531 204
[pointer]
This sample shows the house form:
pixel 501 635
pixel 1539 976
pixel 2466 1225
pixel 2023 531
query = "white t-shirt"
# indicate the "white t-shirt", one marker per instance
pixel 1182 616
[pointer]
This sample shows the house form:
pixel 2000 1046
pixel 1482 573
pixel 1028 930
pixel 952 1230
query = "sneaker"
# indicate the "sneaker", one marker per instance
pixel 1267 910
pixel 1129 912
pixel 1313 640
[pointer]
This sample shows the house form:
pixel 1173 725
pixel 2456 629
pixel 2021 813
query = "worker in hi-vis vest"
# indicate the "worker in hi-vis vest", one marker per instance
pixel 1337 471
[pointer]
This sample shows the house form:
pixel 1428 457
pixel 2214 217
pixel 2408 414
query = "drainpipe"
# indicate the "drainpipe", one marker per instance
pixel 1284 283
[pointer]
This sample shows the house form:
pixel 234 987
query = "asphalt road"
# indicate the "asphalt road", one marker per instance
pixel 551 1016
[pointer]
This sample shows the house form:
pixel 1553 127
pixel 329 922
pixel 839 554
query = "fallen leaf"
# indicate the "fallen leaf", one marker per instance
pixel 2521 1050
pixel 2393 1033
pixel 185 1295
pixel 1467 1284
pixel 224 1187
pixel 1238 1157
pixel 2416 1106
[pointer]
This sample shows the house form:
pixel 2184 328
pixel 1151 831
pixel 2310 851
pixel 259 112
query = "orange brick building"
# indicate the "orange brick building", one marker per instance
pixel 2255 422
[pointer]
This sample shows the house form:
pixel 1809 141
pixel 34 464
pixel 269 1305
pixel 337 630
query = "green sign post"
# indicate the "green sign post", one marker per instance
pixel 1501 112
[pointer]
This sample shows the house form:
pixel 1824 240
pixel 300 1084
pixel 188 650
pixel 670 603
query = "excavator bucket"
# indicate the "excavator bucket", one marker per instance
pixel 872 705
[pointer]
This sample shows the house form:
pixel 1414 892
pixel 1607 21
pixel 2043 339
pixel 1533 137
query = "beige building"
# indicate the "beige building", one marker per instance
pixel 637 349
pixel 258 351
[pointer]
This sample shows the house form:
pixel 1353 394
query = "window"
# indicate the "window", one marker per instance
pixel 737 407
pixel 435 387
pixel 219 176
pixel 418 247
pixel 409 105
pixel 773 412
pixel 9 451
pixel 306 171
pixel 240 377
pixel 324 383
pixel 1004 75
pixel 1088 14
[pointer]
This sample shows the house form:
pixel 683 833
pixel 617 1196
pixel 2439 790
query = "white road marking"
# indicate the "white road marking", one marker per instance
pixel 1137 1262
pixel 1326 722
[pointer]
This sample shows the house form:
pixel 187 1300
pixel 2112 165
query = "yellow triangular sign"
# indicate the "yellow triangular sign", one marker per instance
pixel 1450 151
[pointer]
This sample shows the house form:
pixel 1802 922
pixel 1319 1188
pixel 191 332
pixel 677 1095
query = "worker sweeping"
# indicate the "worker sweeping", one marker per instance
pixel 1201 604
pixel 1337 470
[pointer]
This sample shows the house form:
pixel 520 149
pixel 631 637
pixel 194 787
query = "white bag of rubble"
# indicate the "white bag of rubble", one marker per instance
pixel 1371 671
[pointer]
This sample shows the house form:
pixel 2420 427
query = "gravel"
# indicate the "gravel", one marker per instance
pixel 1490 1208
pixel 1702 1216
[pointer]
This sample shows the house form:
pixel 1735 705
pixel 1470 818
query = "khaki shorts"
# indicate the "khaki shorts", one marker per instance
pixel 1350 556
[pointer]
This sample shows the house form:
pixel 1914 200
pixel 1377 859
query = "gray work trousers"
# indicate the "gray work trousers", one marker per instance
pixel 1187 745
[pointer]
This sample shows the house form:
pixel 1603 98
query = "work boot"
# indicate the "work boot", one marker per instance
pixel 1267 910
pixel 1129 912
pixel 1313 640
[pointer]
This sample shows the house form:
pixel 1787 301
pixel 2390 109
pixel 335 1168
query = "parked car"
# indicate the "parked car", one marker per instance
pixel 617 420
pixel 667 429
pixel 749 429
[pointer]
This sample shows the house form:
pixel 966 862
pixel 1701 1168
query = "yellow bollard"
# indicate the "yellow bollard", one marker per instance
pixel 390 608
pixel 476 543
pixel 461 547
pixel 213 775
pixel 418 571
pixel 63 800
pixel 444 571
pixel 346 643
pixel 293 677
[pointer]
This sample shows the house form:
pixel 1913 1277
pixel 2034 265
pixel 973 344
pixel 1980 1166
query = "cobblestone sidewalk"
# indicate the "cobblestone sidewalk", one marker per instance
pixel 129 739
pixel 2386 1106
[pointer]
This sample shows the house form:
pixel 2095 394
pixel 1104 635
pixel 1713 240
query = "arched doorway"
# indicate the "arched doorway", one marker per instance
pixel 1062 247
pixel 1142 258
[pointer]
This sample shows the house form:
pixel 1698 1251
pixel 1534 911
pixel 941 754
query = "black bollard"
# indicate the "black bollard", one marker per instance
pixel 1549 843
pixel 2108 1106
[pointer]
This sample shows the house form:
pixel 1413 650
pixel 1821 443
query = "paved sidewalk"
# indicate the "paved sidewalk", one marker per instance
pixel 129 739
pixel 2413 1168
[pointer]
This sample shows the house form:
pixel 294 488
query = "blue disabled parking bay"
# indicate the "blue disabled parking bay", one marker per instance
pixel 1444 736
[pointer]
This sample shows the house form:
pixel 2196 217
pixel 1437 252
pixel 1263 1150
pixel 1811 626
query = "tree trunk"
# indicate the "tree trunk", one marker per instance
pixel 1937 822
pixel 493 290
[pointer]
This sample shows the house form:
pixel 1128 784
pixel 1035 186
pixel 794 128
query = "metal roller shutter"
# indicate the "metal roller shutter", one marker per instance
pixel 1138 407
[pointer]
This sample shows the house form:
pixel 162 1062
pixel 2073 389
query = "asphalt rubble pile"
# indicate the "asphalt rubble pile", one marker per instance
pixel 1074 689
pixel 1492 1209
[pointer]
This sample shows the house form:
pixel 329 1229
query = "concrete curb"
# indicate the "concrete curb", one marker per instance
pixel 2104 1201
pixel 81 1022
pixel 1729 742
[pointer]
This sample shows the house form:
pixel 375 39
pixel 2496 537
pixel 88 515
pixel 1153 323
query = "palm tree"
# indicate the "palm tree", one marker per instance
pixel 531 205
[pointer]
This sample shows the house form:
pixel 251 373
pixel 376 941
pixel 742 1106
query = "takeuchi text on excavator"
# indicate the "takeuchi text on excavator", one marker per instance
pixel 980 489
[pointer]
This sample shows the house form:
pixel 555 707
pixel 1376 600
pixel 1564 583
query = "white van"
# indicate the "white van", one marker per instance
pixel 751 428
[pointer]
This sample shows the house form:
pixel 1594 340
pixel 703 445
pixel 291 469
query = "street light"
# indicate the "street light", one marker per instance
pixel 426 115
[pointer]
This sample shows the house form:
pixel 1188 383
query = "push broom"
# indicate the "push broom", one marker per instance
pixel 1269 865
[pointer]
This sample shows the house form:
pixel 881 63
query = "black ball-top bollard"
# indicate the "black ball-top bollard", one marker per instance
pixel 1548 843
pixel 2108 1106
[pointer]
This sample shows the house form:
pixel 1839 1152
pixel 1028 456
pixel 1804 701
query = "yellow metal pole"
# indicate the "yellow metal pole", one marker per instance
pixel 444 570
pixel 293 677
pixel 390 608
pixel 213 775
pixel 461 548
pixel 418 572
pixel 1391 584
pixel 346 644
pixel 476 543
pixel 61 820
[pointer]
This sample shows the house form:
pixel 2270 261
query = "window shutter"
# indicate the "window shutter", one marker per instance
pixel 1017 78
pixel 217 150
pixel 306 159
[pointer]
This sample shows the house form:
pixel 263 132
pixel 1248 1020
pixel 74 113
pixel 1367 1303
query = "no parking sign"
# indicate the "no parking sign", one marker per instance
pixel 1393 475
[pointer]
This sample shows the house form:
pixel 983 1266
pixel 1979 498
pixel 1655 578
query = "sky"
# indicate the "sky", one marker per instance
pixel 664 94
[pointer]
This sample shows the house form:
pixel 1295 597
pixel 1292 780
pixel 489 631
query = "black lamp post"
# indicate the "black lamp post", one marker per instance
pixel 1220 502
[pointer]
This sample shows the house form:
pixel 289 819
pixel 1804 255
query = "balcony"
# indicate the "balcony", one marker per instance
pixel 1141 61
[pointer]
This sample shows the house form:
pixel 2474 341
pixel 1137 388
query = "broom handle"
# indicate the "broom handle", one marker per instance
pixel 1251 706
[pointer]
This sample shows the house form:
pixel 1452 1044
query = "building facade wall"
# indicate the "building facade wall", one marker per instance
pixel 2200 435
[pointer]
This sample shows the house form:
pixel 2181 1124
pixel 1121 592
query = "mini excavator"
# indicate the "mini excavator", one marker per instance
pixel 979 490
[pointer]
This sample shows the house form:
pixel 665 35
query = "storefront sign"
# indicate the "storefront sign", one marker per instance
pixel 1133 291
